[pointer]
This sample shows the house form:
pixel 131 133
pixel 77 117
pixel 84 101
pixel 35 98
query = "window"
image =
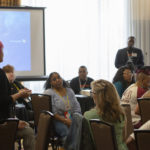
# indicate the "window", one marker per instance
pixel 83 32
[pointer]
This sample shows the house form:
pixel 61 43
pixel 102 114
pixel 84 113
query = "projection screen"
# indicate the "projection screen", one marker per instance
pixel 22 34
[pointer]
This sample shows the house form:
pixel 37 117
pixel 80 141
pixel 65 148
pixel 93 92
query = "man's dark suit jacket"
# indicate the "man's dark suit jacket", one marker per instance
pixel 122 57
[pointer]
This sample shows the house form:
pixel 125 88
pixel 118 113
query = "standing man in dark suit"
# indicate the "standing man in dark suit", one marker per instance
pixel 129 56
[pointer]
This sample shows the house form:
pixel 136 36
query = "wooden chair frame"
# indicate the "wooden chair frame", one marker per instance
pixel 54 139
pixel 143 119
pixel 11 136
pixel 111 128
pixel 137 133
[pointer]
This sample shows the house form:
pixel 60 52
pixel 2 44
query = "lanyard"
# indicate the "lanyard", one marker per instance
pixel 82 86
pixel 16 86
pixel 63 99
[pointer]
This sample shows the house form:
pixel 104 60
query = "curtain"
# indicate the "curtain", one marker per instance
pixel 83 32
pixel 139 25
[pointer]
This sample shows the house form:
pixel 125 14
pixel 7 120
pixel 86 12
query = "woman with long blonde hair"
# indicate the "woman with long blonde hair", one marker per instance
pixel 108 108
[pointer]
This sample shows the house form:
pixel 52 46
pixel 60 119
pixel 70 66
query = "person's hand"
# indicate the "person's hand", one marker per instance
pixel 24 93
pixel 67 122
pixel 22 124
pixel 26 88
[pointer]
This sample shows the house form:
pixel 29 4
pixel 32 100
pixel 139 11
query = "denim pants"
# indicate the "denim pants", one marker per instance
pixel 61 129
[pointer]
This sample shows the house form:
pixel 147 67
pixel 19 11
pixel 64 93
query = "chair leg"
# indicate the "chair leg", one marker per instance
pixel 55 145
pixel 19 142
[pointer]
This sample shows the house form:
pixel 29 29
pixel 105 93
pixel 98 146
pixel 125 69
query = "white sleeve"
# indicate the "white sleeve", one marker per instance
pixel 145 126
pixel 126 97
pixel 129 95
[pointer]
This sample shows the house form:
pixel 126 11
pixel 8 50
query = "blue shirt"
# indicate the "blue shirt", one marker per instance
pixel 119 88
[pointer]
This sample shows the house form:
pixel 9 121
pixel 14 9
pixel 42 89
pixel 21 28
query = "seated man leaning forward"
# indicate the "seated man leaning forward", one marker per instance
pixel 64 103
pixel 82 81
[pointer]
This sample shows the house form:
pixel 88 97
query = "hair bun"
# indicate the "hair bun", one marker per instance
pixel 144 69
pixel 101 85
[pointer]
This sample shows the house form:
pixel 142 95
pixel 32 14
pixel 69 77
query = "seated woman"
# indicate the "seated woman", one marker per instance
pixel 108 109
pixel 135 91
pixel 64 103
pixel 15 87
pixel 123 79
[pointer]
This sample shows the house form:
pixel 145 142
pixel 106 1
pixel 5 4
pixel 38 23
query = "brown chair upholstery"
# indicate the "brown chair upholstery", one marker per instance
pixel 129 125
pixel 144 106
pixel 40 102
pixel 142 138
pixel 8 133
pixel 104 135
pixel 43 131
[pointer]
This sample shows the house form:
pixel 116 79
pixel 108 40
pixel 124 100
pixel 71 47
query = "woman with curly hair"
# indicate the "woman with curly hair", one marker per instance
pixel 123 79
pixel 108 109
pixel 64 103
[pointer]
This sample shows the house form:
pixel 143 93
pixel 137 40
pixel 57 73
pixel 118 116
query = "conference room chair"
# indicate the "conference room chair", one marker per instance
pixel 142 138
pixel 104 135
pixel 129 125
pixel 43 130
pixel 144 106
pixel 40 103
pixel 86 140
pixel 8 133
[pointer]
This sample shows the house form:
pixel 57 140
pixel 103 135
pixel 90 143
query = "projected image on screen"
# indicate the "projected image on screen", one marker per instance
pixel 15 35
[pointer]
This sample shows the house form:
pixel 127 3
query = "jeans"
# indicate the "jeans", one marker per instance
pixel 72 141
pixel 61 130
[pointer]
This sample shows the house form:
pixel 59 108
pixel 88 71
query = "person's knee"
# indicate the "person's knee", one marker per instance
pixel 26 132
pixel 61 129
pixel 131 143
pixel 29 131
